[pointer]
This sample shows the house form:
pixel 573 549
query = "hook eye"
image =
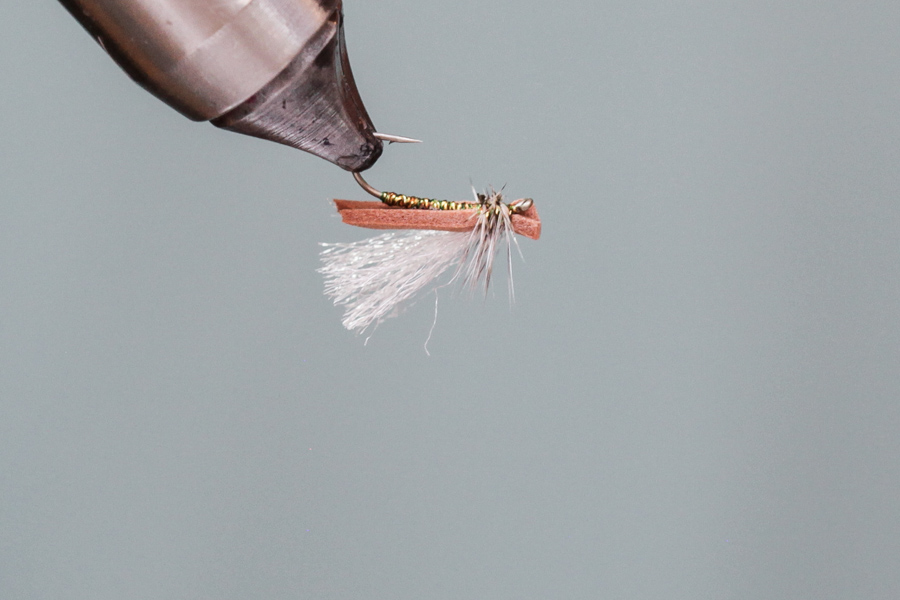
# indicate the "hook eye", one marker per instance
pixel 521 205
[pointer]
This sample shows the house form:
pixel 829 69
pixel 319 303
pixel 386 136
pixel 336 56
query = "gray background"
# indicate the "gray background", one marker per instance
pixel 695 396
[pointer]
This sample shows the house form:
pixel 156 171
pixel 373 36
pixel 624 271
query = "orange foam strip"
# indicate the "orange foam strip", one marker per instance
pixel 377 215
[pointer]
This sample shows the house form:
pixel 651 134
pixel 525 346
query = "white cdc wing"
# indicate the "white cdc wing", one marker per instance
pixel 372 277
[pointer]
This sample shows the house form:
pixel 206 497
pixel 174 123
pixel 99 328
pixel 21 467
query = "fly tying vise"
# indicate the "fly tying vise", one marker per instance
pixel 373 277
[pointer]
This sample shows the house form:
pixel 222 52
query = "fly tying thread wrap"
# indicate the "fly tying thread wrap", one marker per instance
pixel 404 201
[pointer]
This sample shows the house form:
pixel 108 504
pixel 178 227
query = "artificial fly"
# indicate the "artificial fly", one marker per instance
pixel 372 278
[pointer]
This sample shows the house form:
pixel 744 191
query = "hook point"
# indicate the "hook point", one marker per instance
pixel 399 139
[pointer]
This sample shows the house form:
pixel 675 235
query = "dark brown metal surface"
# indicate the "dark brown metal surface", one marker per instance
pixel 313 105
pixel 274 69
